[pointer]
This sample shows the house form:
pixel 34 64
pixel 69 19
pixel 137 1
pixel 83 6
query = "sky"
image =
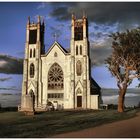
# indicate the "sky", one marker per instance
pixel 104 18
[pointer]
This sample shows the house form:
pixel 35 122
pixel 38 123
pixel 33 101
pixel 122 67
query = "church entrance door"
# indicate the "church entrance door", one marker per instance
pixel 79 101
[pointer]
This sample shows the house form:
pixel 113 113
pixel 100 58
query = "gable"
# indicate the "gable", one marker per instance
pixel 56 47
pixel 79 85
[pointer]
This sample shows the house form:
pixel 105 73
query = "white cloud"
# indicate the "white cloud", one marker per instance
pixel 3 63
pixel 42 5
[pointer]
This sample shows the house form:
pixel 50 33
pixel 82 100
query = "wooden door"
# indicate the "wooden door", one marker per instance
pixel 79 101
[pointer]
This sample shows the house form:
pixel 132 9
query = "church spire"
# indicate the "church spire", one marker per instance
pixel 73 16
pixel 84 14
pixel 38 19
pixel 28 22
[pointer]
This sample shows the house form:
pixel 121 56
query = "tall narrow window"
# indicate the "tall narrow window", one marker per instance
pixel 34 53
pixel 31 93
pixel 32 36
pixel 32 69
pixel 79 68
pixel 78 31
pixel 80 50
pixel 76 50
pixel 30 53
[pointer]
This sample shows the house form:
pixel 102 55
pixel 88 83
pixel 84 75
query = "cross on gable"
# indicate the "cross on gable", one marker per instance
pixel 55 37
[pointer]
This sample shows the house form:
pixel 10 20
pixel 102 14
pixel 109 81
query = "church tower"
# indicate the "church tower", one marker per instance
pixel 80 81
pixel 34 48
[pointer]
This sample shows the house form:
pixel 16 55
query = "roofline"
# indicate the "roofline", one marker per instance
pixel 61 48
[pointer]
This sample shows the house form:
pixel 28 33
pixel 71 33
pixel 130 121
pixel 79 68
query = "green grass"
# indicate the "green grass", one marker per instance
pixel 16 124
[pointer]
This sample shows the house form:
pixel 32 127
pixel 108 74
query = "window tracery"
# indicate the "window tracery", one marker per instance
pixel 55 77
pixel 79 91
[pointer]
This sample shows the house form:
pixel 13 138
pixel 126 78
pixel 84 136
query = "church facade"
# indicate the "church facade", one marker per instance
pixel 58 78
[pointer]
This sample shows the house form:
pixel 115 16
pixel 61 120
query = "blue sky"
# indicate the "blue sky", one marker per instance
pixel 104 19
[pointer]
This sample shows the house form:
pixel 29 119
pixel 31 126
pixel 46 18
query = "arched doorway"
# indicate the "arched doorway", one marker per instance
pixel 31 93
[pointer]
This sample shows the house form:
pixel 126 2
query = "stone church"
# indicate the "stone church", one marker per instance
pixel 58 78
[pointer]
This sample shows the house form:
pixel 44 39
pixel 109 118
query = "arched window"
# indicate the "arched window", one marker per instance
pixel 79 68
pixel 80 49
pixel 55 77
pixel 76 50
pixel 34 53
pixel 32 70
pixel 31 93
pixel 30 53
pixel 79 91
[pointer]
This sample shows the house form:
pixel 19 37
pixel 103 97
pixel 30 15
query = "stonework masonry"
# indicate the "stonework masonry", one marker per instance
pixel 58 79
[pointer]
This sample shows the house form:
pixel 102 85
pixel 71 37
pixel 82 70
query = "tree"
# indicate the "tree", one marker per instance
pixel 124 62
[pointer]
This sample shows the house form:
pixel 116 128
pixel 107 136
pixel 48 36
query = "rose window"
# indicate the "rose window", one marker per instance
pixel 55 77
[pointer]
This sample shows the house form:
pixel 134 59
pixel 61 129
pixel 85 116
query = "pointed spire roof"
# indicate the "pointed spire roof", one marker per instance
pixel 28 20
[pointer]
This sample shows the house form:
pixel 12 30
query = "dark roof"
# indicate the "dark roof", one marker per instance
pixel 95 88
pixel 94 84
pixel 62 47
pixel 68 50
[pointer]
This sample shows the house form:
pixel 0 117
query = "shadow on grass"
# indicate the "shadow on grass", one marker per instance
pixel 47 124
pixel 8 109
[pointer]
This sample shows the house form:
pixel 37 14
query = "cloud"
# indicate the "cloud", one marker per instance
pixel 100 52
pixel 5 79
pixel 57 30
pixel 3 63
pixel 42 5
pixel 61 13
pixel 99 12
pixel 104 18
pixel 10 88
pixel 10 65
pixel 100 42
pixel 20 54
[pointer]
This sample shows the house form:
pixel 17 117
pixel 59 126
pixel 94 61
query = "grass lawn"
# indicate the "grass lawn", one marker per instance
pixel 16 124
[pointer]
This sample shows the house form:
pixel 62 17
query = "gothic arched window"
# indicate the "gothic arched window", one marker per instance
pixel 79 68
pixel 76 50
pixel 30 53
pixel 80 49
pixel 31 93
pixel 34 53
pixel 55 77
pixel 32 70
pixel 79 91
